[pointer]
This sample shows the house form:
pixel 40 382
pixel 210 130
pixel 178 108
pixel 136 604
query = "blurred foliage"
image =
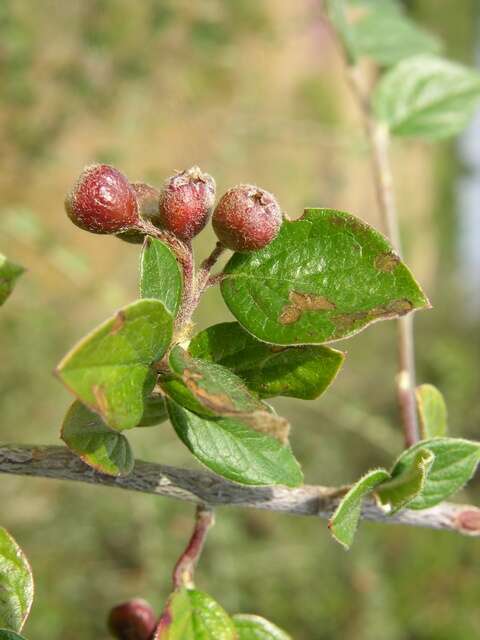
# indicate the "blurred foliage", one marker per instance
pixel 252 92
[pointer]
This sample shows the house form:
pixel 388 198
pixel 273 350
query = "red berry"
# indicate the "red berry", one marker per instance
pixel 102 201
pixel 148 198
pixel 186 202
pixel 247 218
pixel 132 620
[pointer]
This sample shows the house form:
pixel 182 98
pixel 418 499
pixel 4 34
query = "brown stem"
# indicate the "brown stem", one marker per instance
pixel 184 570
pixel 379 139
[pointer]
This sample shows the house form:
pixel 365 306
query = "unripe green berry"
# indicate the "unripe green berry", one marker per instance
pixel 148 198
pixel 132 620
pixel 102 201
pixel 247 218
pixel 186 202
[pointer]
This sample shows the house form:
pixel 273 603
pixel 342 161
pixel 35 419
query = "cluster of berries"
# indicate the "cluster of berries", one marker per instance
pixel 103 200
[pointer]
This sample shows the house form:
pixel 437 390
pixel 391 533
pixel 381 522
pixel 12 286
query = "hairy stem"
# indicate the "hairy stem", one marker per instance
pixel 379 140
pixel 204 277
pixel 183 572
pixel 59 463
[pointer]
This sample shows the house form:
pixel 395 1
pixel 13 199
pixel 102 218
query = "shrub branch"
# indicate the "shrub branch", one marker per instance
pixel 203 488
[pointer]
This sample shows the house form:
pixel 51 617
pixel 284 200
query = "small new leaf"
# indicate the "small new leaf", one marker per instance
pixel 325 277
pixel 233 450
pixel 432 411
pixel 160 275
pixel 298 372
pixel 344 522
pixel 194 615
pixel 250 627
pixel 109 369
pixel 9 273
pixel 104 449
pixel 427 97
pixel 455 461
pixel 16 584
pixel 405 487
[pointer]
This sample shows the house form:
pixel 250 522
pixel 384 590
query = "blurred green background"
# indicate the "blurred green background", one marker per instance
pixel 252 91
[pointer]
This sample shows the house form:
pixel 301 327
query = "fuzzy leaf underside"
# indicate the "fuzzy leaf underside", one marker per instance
pixel 325 277
pixel 454 464
pixel 399 492
pixel 344 522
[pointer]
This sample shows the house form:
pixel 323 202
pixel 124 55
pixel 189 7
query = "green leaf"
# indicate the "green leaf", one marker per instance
pixel 454 464
pixel 160 275
pixel 16 584
pixel 344 522
pixel 399 492
pixel 154 411
pixel 109 369
pixel 233 450
pixel 9 273
pixel 432 411
pixel 212 390
pixel 6 634
pixel 250 627
pixel 380 29
pixel 194 615
pixel 104 449
pixel 298 372
pixel 207 388
pixel 427 97
pixel 325 277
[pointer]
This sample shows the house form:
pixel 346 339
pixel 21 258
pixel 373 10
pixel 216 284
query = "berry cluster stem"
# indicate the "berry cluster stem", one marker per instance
pixel 184 570
pixel 379 139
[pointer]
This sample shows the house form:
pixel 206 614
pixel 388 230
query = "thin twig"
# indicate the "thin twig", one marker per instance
pixel 205 488
pixel 379 139
pixel 183 572
pixel 203 277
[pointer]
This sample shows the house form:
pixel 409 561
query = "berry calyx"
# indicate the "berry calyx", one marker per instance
pixel 132 620
pixel 186 202
pixel 102 201
pixel 148 198
pixel 247 218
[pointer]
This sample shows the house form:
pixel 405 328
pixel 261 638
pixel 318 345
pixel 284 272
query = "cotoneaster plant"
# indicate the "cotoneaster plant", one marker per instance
pixel 295 287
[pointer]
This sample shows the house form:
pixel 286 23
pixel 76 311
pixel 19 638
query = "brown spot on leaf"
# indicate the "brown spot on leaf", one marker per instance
pixel 217 402
pixel 118 323
pixel 267 423
pixel 346 321
pixel 100 398
pixel 300 302
pixel 289 315
pixel 386 262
